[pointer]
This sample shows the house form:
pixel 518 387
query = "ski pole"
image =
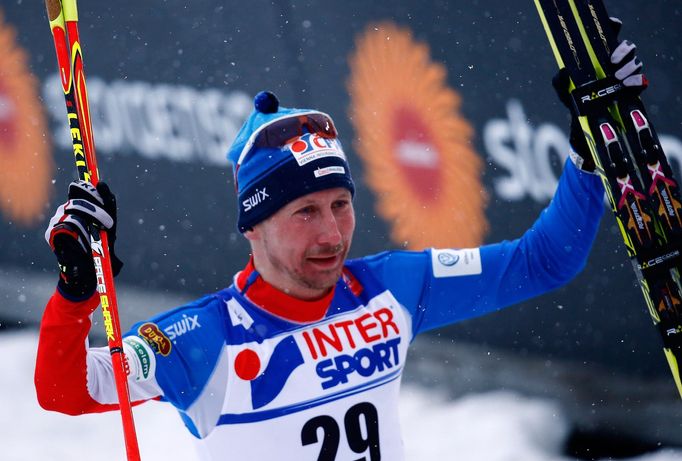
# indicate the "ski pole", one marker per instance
pixel 63 17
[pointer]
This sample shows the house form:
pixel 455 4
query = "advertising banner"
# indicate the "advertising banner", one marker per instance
pixel 445 110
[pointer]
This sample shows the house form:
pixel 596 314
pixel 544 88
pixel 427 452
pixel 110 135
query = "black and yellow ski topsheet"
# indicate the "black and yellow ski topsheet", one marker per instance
pixel 644 196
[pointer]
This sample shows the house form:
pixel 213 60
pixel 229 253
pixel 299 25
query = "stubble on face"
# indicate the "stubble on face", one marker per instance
pixel 301 272
pixel 302 248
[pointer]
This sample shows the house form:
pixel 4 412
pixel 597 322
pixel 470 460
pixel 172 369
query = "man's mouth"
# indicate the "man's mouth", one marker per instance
pixel 325 261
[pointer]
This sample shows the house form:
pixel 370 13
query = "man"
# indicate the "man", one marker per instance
pixel 301 357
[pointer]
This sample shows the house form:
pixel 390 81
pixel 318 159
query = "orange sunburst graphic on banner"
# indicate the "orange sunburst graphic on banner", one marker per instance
pixel 415 146
pixel 25 161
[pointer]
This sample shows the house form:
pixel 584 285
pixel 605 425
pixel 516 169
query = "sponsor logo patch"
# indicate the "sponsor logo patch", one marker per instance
pixel 142 358
pixel 351 282
pixel 454 263
pixel 448 259
pixel 329 170
pixel 238 315
pixel 310 147
pixel 156 338
pixel 364 345
pixel 182 326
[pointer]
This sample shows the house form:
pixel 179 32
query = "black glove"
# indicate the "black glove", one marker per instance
pixel 68 234
pixel 626 67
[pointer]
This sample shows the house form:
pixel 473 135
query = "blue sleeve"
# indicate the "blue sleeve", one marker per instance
pixel 186 342
pixel 441 287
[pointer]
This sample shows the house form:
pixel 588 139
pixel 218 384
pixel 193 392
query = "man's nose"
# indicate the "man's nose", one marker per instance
pixel 329 230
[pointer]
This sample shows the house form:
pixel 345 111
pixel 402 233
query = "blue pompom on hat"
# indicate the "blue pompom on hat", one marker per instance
pixel 267 178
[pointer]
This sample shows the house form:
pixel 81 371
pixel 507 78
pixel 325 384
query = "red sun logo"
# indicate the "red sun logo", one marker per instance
pixel 415 145
pixel 25 161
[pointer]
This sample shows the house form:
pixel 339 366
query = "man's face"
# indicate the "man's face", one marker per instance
pixel 301 248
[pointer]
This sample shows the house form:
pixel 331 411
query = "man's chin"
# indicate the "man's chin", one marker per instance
pixel 323 278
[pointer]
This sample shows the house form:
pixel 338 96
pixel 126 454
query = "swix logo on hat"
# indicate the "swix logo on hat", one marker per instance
pixel 256 199
pixel 309 147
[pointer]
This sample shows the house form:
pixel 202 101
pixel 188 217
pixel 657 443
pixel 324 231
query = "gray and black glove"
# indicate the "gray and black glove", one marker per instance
pixel 68 234
pixel 626 67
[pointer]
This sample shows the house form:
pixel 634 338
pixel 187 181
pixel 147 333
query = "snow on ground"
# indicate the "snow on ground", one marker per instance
pixel 497 426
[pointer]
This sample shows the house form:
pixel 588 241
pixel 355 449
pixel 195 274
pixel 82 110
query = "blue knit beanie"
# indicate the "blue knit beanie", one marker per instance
pixel 267 178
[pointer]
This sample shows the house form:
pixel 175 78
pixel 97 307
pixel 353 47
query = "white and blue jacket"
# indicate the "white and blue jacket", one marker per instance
pixel 258 375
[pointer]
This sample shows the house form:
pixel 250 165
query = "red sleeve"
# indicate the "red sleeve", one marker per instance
pixel 61 371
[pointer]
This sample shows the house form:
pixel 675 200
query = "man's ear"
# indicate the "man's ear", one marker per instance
pixel 252 234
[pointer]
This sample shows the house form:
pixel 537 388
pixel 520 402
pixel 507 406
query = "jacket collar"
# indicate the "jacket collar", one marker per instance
pixel 275 302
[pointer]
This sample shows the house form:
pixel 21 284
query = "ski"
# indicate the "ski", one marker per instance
pixel 63 19
pixel 639 183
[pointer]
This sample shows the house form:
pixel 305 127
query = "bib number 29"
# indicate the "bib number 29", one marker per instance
pixel 361 424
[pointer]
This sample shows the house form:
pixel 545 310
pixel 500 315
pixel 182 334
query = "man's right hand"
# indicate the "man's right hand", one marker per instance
pixel 626 67
pixel 68 234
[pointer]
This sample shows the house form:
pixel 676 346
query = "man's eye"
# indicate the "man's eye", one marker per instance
pixel 305 211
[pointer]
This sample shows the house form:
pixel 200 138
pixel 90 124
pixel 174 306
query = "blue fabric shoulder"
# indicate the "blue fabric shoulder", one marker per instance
pixel 401 272
pixel 187 342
